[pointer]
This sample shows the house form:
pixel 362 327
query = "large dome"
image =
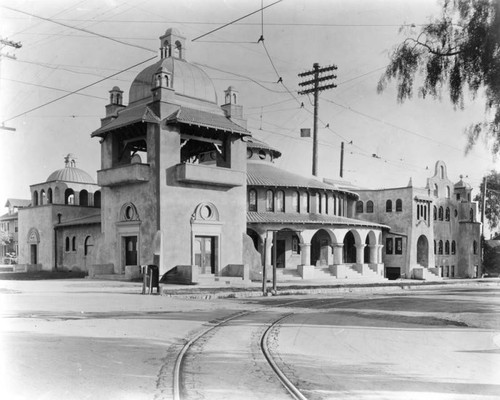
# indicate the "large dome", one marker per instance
pixel 70 174
pixel 188 80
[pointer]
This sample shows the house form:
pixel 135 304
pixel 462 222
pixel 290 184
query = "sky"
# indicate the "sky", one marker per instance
pixel 71 44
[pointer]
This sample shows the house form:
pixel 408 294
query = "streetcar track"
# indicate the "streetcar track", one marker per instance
pixel 291 389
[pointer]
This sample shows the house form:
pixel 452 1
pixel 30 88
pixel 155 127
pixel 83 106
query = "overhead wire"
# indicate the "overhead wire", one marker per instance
pixel 76 91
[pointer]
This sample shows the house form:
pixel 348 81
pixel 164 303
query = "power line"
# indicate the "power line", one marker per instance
pixel 236 20
pixel 78 29
pixel 78 90
pixel 52 88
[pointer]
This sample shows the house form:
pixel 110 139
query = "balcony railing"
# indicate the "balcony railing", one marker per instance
pixel 124 175
pixel 209 175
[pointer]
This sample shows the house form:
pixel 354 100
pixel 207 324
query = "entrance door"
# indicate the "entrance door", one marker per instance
pixel 34 258
pixel 204 254
pixel 280 254
pixel 130 250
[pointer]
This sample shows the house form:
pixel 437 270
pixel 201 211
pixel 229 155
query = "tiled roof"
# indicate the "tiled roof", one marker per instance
pixel 254 143
pixel 8 217
pixel 190 116
pixel 265 174
pixel 89 220
pixel 18 203
pixel 319 219
pixel 130 115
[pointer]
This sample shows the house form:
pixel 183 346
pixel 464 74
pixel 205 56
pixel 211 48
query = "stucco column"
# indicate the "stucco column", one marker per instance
pixel 360 256
pixel 268 245
pixel 305 253
pixel 338 250
pixel 373 253
pixel 379 253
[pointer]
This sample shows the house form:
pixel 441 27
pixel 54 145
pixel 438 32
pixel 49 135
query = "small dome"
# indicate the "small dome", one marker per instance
pixel 187 79
pixel 116 88
pixel 172 31
pixel 462 185
pixel 70 174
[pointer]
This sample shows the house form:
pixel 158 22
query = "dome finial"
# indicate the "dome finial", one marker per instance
pixel 70 160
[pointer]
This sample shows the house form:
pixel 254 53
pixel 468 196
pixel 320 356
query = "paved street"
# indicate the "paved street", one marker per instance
pixel 80 339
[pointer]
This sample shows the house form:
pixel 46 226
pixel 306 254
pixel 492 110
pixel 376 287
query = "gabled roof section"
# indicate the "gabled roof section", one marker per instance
pixel 130 115
pixel 190 116
pixel 265 174
pixel 8 217
pixel 301 219
pixel 19 203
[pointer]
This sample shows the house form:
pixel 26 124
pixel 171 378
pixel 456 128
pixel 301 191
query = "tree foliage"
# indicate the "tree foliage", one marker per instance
pixel 460 50
pixel 492 209
pixel 5 238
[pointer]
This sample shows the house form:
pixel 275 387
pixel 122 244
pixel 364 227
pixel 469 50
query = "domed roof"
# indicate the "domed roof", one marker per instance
pixel 461 184
pixel 187 79
pixel 172 31
pixel 70 173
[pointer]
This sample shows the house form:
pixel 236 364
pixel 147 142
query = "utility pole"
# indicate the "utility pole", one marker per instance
pixel 316 88
pixel 16 45
pixel 342 160
pixel 483 211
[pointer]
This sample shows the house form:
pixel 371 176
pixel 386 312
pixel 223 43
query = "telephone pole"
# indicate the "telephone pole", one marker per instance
pixel 316 88
pixel 15 45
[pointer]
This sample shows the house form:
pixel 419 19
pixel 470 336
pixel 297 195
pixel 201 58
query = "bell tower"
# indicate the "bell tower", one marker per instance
pixel 173 44
pixel 114 106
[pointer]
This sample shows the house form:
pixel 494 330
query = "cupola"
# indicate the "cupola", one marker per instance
pixel 231 108
pixel 173 44
pixel 115 105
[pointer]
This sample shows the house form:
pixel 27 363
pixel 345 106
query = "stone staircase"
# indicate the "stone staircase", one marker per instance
pixel 323 274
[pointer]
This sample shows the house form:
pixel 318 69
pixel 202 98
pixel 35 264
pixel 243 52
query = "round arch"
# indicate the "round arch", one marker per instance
pixel 350 247
pixel 321 247
pixel 423 251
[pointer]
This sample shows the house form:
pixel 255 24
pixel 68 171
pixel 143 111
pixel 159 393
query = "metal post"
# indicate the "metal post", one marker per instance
pixel 275 251
pixel 264 275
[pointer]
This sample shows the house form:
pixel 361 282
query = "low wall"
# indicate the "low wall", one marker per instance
pixel 101 269
pixel 306 271
pixel 26 267
pixel 338 270
pixel 132 272
pixel 418 273
pixel 184 274
pixel 238 270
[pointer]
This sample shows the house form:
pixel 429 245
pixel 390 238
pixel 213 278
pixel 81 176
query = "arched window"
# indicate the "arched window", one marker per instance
pixel 325 203
pixel 97 199
pixel 440 213
pixel 436 190
pixel 49 196
pixel 399 205
pixel 418 211
pixel 269 200
pixel 369 206
pixel 434 247
pixel 35 198
pixel 280 201
pixel 305 200
pixel 448 192
pixel 471 215
pixel 447 214
pixel 67 244
pixel 295 202
pixel 447 247
pixel 84 198
pixel 43 197
pixel 442 171
pixel 440 247
pixel 69 196
pixel 359 206
pixel 334 205
pixel 435 213
pixel 88 244
pixel 453 247
pixel 474 247
pixel 73 244
pixel 388 206
pixel 425 211
pixel 252 200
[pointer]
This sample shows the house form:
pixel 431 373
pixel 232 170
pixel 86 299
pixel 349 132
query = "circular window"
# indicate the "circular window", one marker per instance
pixel 262 154
pixel 249 153
pixel 205 212
pixel 212 155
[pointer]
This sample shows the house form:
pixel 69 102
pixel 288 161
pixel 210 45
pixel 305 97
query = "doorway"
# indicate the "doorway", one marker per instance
pixel 34 255
pixel 204 254
pixel 130 250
